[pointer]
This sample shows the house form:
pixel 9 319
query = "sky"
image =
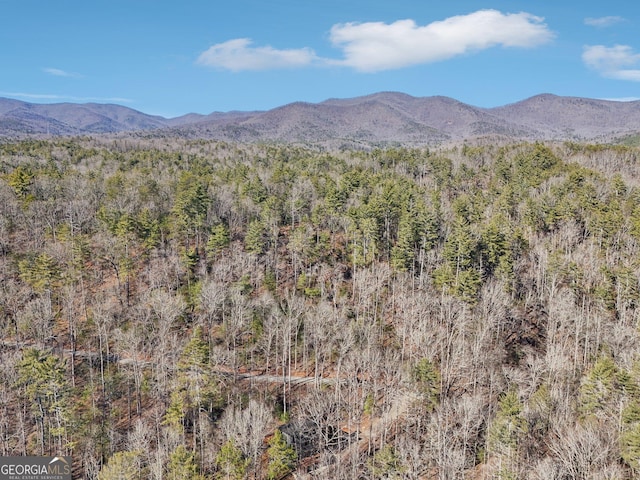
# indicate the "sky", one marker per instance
pixel 172 58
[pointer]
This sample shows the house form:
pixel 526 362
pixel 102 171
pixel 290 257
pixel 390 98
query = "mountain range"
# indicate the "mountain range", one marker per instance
pixel 379 119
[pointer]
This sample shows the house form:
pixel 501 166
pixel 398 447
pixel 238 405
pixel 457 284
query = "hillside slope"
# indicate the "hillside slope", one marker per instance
pixel 381 119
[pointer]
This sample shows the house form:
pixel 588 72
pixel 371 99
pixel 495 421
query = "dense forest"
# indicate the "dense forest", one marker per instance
pixel 176 309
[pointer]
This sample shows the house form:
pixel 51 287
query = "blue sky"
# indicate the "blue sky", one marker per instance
pixel 171 58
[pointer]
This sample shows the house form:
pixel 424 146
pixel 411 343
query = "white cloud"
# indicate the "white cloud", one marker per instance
pixel 238 54
pixel 622 99
pixel 603 22
pixel 376 46
pixel 631 75
pixel 613 62
pixel 60 73
pixel 31 96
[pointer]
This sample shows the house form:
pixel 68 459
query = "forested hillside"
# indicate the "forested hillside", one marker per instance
pixel 174 309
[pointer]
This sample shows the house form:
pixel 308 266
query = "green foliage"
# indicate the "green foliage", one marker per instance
pixel 218 239
pixel 269 281
pixel 302 282
pixel 182 465
pixel 272 213
pixel 43 377
pixel 255 189
pixel 306 285
pixel 507 474
pixel 619 288
pixel 255 239
pixel 472 152
pixel 83 217
pixel 79 246
pixel 127 227
pixel 309 245
pixel 20 180
pixel 618 186
pixel 442 169
pixel 369 404
pixel 197 387
pixel 468 285
pixel 467 208
pixel 196 353
pixel 41 273
pixel 493 243
pixel 189 257
pixel 630 437
pixel 460 248
pixel 508 426
pixel 192 292
pixel 335 198
pixel 231 463
pixel 598 387
pixel 282 458
pixel 191 204
pixel 123 466
pixel 630 140
pixel 427 379
pixel 444 277
pixel 460 274
pixel 541 407
pixel 634 221
pixel 402 253
pixel 257 327
pixel 244 285
pixel 534 164
pixel 176 411
pixel 364 241
pixel 386 464
pixel 417 232
pixel 148 229
pixel 606 221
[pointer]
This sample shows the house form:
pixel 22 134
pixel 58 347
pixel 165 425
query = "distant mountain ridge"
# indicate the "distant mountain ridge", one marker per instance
pixel 385 118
